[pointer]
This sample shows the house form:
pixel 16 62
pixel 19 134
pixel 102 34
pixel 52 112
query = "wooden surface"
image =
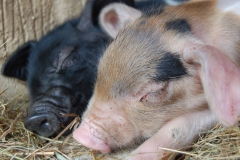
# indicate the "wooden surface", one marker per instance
pixel 24 20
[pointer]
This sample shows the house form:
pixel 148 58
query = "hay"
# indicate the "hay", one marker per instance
pixel 217 144
pixel 18 143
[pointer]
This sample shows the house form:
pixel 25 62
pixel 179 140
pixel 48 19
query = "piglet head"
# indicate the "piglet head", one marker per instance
pixel 142 84
pixel 215 50
pixel 133 101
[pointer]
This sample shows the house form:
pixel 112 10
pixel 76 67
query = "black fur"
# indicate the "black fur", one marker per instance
pixel 16 65
pixel 178 25
pixel 169 68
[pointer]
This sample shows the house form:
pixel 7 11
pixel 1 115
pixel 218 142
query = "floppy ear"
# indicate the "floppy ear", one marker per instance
pixel 220 78
pixel 116 16
pixel 16 64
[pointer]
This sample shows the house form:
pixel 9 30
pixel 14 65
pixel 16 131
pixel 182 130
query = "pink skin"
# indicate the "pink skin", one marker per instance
pixel 175 134
pixel 86 136
pixel 220 78
pixel 98 124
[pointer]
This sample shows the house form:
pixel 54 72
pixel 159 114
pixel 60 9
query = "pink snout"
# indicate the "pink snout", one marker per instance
pixel 86 135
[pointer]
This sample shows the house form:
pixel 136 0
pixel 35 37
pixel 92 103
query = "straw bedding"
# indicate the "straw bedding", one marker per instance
pixel 18 143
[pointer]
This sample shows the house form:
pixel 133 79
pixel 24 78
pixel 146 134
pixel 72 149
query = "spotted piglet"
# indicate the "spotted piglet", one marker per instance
pixel 168 75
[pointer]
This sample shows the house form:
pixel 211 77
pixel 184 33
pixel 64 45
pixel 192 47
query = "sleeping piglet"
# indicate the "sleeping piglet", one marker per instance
pixel 169 74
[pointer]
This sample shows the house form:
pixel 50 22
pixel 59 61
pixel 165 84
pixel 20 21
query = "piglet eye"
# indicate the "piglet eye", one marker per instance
pixel 143 98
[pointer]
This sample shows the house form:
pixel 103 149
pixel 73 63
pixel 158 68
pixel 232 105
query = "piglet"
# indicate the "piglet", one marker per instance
pixel 156 80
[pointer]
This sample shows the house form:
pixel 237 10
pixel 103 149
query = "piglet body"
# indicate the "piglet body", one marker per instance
pixel 150 89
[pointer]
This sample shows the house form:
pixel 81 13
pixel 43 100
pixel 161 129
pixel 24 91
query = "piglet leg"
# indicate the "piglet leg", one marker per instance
pixel 220 78
pixel 177 133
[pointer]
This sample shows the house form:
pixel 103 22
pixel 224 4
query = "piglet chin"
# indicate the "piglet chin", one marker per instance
pixel 83 136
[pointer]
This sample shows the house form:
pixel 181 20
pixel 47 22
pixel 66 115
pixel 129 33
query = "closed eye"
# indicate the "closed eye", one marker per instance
pixel 144 98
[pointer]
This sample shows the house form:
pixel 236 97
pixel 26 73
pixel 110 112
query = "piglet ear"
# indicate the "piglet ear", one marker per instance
pixel 116 16
pixel 16 64
pixel 220 78
pixel 90 15
pixel 85 21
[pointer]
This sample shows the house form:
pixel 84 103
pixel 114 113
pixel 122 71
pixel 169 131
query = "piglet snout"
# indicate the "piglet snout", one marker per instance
pixel 46 117
pixel 45 124
pixel 88 136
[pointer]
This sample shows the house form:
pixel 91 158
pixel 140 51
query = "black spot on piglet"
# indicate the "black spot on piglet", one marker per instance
pixel 179 25
pixel 170 67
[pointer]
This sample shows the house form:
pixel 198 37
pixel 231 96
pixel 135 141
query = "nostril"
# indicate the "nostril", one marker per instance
pixel 43 124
